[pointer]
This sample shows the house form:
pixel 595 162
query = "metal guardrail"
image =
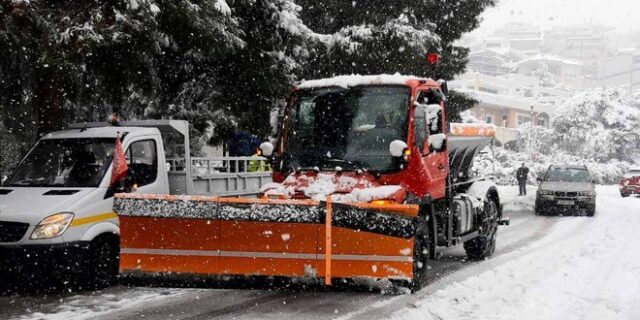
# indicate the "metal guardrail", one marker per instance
pixel 219 176
pixel 219 165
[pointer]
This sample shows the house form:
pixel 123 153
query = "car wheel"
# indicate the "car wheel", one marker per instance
pixel 624 194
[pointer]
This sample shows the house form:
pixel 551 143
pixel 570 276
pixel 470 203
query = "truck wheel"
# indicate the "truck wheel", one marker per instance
pixel 624 194
pixel 102 262
pixel 591 212
pixel 420 259
pixel 484 245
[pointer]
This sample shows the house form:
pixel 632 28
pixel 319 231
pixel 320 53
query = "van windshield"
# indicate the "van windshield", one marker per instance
pixel 65 163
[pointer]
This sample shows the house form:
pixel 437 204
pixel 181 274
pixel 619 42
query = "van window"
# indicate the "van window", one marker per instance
pixel 142 160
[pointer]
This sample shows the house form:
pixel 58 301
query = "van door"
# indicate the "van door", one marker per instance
pixel 143 163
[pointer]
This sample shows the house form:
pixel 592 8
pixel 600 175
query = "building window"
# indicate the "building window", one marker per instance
pixel 522 119
pixel 489 119
pixel 542 122
pixel 483 89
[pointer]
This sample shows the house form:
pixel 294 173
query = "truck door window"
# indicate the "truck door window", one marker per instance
pixel 430 101
pixel 420 127
pixel 142 160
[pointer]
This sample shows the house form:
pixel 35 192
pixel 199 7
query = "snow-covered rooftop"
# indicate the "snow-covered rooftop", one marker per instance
pixel 550 58
pixel 358 80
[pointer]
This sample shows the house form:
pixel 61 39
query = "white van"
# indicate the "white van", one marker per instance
pixel 56 208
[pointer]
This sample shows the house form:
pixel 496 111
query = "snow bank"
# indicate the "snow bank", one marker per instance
pixel 585 268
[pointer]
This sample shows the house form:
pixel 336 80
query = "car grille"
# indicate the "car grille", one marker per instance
pixel 12 231
pixel 566 194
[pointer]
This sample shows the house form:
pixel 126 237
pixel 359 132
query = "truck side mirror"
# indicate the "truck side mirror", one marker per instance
pixel 266 149
pixel 397 148
pixel 437 142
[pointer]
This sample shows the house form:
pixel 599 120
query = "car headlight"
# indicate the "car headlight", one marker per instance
pixel 52 226
pixel 545 192
pixel 585 193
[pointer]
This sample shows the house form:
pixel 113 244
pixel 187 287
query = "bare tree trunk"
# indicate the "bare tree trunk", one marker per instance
pixel 49 103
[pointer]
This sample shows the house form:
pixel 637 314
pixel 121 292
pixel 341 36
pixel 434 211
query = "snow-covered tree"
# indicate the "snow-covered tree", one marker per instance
pixel 600 125
pixel 394 36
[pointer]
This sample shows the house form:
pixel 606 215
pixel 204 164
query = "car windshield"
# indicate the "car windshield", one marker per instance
pixel 568 175
pixel 64 163
pixel 348 128
pixel 632 174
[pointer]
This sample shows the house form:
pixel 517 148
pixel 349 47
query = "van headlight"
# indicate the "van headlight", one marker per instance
pixel 52 226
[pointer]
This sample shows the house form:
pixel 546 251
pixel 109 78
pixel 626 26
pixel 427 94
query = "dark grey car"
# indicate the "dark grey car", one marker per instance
pixel 566 190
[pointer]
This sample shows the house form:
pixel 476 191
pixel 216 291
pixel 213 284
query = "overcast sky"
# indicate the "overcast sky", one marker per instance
pixel 621 14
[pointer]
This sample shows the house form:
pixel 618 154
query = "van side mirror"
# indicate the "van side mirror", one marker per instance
pixel 127 184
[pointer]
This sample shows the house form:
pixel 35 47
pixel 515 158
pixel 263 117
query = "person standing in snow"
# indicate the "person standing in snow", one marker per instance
pixel 521 175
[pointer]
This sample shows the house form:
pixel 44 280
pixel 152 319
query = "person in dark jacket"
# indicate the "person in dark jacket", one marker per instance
pixel 521 175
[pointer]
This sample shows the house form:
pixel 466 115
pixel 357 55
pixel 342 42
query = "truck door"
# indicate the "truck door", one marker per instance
pixel 142 161
pixel 435 152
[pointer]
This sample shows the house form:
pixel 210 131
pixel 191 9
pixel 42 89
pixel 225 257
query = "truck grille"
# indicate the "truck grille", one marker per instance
pixel 12 231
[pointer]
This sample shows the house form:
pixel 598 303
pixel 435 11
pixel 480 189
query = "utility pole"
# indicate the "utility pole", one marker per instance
pixel 531 133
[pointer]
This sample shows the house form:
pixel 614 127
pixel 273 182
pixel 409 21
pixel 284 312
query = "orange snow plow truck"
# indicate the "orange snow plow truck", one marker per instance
pixel 367 182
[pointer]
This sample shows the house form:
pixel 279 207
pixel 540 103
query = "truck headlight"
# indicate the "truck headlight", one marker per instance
pixel 52 226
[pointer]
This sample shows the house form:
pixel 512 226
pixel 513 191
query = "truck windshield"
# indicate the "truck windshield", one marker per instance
pixel 348 128
pixel 64 163
pixel 568 175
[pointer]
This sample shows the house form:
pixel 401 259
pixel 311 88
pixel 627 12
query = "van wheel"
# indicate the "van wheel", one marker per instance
pixel 102 262
pixel 484 245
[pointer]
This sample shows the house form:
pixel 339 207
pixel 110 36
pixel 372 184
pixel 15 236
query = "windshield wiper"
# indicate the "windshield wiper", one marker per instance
pixel 353 164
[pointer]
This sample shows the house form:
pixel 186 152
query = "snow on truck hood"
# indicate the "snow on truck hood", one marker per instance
pixel 29 205
pixel 344 187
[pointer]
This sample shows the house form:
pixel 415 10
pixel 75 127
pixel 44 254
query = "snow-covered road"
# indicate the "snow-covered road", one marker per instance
pixel 544 268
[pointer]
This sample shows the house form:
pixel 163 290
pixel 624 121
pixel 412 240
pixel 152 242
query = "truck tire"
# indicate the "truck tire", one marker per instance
pixel 624 194
pixel 420 259
pixel 102 261
pixel 591 212
pixel 484 245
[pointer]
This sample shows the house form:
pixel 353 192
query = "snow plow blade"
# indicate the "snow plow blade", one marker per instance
pixel 210 236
